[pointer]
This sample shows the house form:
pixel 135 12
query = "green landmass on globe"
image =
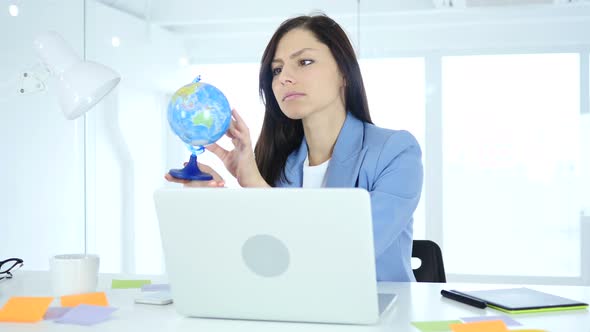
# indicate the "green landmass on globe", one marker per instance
pixel 186 91
pixel 203 119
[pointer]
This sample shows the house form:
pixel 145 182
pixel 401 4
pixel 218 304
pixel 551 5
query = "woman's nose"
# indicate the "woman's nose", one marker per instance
pixel 286 78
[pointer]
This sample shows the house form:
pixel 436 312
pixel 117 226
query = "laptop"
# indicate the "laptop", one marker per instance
pixel 303 255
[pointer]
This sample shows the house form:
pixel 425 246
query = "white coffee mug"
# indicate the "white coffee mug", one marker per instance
pixel 74 273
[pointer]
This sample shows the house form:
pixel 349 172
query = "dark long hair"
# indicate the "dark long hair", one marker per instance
pixel 280 136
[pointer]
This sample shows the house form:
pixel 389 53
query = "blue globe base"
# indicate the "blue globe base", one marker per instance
pixel 191 171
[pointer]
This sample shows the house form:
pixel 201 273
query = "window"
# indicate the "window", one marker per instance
pixel 396 91
pixel 511 163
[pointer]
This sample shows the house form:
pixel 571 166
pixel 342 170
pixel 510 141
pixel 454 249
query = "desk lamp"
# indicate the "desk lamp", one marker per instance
pixel 80 84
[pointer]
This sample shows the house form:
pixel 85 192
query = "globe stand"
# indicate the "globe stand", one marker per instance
pixel 191 171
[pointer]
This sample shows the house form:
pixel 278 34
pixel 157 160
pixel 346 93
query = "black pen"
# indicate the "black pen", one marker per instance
pixel 463 298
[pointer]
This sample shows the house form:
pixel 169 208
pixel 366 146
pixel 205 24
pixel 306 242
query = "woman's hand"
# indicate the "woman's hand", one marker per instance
pixel 240 161
pixel 216 182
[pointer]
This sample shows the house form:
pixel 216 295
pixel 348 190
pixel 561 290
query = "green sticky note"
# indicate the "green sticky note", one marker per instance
pixel 117 283
pixel 435 326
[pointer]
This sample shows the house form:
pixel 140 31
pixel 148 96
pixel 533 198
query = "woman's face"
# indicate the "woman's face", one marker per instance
pixel 306 78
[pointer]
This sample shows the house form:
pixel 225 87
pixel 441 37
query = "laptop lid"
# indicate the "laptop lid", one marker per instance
pixel 270 254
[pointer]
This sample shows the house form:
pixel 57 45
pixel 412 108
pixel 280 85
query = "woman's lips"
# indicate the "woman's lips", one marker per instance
pixel 292 95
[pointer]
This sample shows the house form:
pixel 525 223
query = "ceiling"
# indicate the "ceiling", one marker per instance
pixel 180 11
pixel 229 25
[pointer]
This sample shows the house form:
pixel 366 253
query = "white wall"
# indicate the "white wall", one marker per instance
pixel 41 165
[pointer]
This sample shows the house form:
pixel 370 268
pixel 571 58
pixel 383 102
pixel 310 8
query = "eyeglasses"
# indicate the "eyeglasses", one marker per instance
pixel 9 265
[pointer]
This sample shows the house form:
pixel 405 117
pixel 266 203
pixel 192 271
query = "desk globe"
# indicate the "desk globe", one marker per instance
pixel 199 114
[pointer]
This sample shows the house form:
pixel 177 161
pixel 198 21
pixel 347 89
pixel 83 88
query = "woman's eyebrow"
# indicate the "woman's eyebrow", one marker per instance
pixel 296 54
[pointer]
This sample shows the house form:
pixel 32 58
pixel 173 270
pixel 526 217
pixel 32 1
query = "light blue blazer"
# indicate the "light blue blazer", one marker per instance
pixel 387 163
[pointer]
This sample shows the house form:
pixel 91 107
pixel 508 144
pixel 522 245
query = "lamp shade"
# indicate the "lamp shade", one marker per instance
pixel 81 84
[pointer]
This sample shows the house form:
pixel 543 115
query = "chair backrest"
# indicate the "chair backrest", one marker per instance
pixel 432 268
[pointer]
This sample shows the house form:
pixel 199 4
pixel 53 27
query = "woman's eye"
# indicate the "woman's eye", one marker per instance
pixel 305 62
pixel 276 71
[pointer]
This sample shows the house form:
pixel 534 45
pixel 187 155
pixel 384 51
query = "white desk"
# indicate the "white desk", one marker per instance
pixel 416 302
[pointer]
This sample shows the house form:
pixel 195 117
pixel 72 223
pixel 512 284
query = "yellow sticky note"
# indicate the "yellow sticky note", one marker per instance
pixel 25 309
pixel 98 298
pixel 485 326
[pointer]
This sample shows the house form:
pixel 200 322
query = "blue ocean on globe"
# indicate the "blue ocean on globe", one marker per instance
pixel 199 114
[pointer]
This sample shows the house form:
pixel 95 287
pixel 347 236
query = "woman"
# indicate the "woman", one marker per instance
pixel 317 132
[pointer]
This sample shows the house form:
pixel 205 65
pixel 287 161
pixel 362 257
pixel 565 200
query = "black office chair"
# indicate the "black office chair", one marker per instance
pixel 432 268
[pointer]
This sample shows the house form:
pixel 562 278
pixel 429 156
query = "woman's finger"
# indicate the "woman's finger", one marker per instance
pixel 202 184
pixel 205 168
pixel 232 129
pixel 240 123
pixel 212 172
pixel 217 150
pixel 229 134
pixel 236 115
pixel 236 133
pixel 235 142
pixel 216 184
pixel 170 178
